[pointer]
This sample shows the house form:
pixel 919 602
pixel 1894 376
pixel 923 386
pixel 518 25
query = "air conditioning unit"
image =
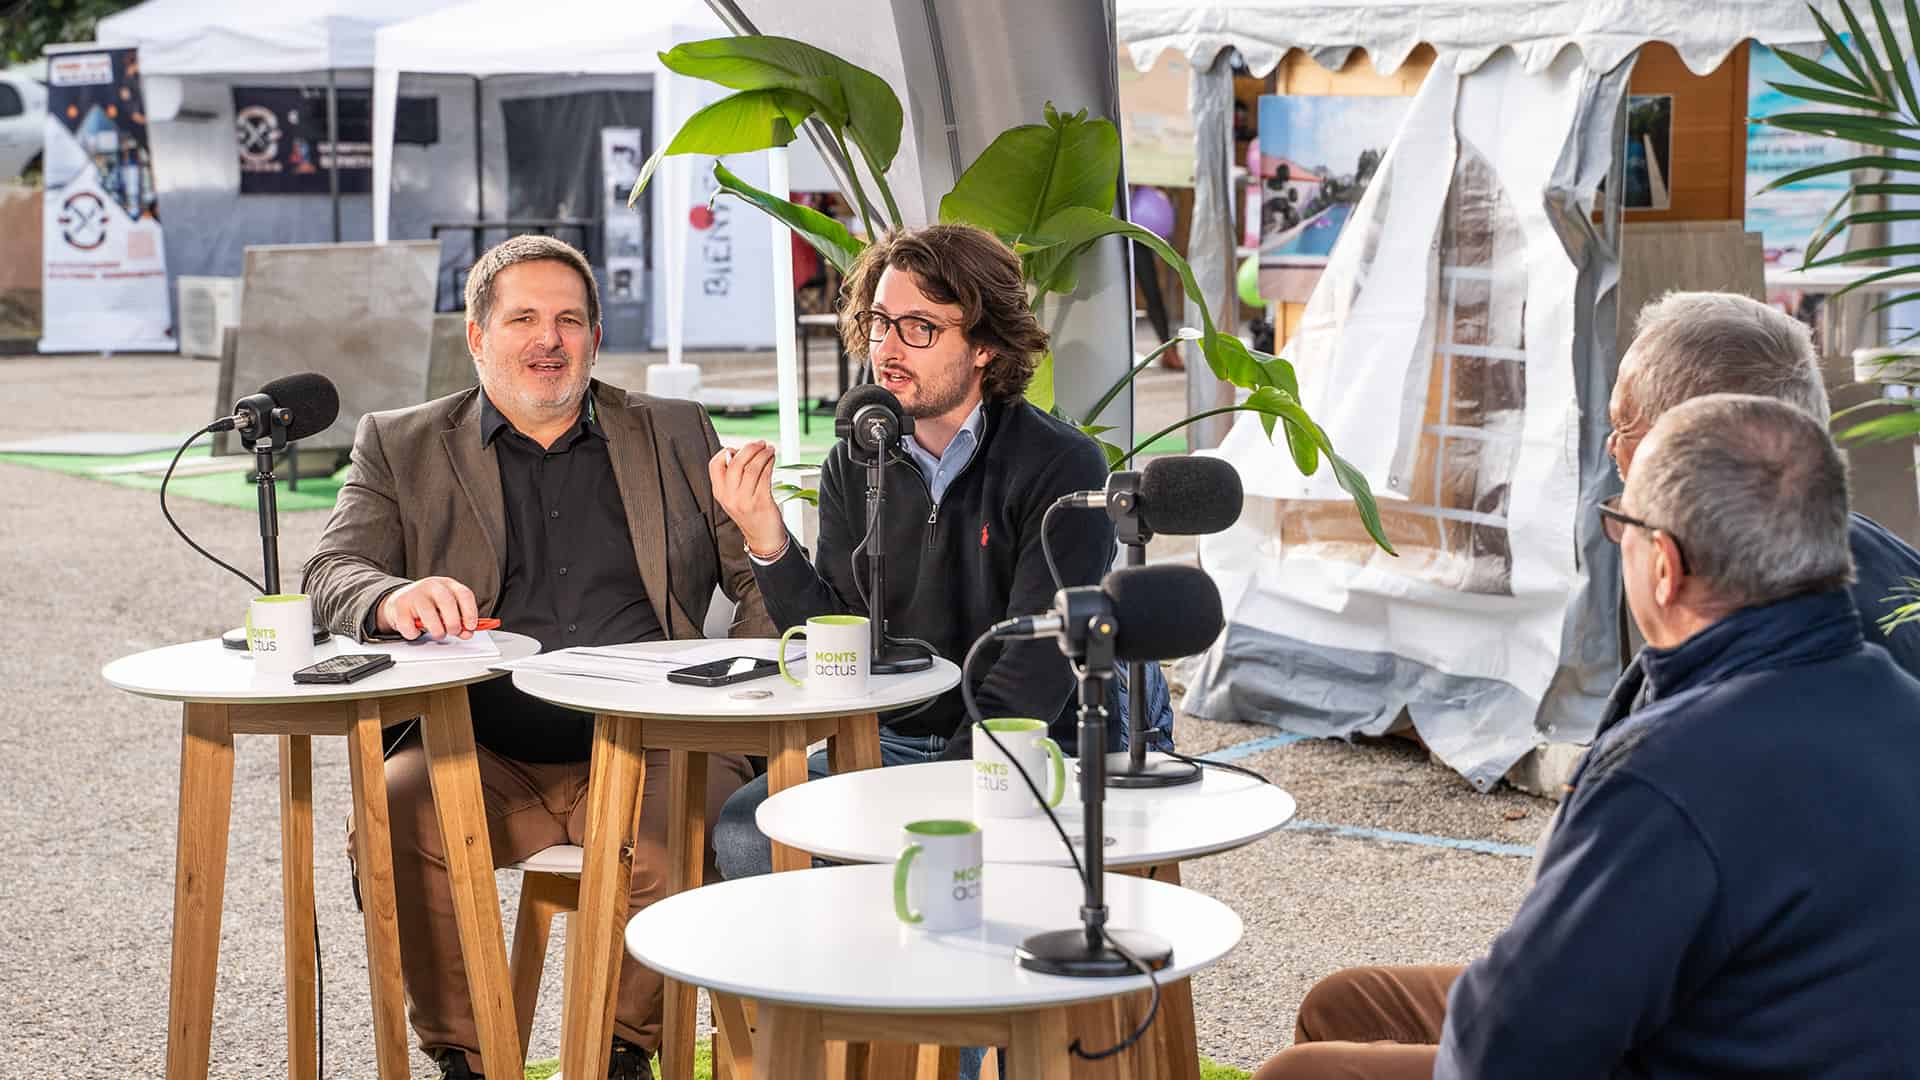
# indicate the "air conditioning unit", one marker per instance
pixel 209 307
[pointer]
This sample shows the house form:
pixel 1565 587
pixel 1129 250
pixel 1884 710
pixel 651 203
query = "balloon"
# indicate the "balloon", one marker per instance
pixel 1150 209
pixel 1248 282
pixel 1253 156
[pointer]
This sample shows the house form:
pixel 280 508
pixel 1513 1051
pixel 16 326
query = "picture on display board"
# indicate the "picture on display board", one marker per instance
pixel 622 152
pixel 1156 122
pixel 1317 157
pixel 1649 152
pixel 280 133
pixel 1786 218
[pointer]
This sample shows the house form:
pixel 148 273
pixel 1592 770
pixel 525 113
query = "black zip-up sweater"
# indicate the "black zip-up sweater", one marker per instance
pixel 956 569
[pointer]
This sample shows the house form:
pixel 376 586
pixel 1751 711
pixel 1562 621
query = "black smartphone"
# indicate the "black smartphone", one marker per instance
pixel 345 668
pixel 723 672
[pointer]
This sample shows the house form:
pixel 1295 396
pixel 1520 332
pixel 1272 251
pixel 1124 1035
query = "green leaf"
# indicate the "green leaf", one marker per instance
pixel 1077 227
pixel 1040 389
pixel 1239 366
pixel 1809 69
pixel 1901 425
pixel 1115 455
pixel 1894 58
pixel 1272 399
pixel 1828 97
pixel 1841 50
pixel 1861 129
pixel 828 237
pixel 1031 173
pixel 846 95
pixel 1842 121
pixel 784 491
pixel 742 123
pixel 1095 429
pixel 1868 58
pixel 1869 161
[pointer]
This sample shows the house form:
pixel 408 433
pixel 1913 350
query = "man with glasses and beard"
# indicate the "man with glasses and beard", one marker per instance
pixel 941 313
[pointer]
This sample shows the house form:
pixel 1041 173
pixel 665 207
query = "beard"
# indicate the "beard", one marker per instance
pixel 940 394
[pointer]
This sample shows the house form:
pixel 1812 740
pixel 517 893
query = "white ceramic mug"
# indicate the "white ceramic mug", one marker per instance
pixel 998 790
pixel 836 664
pixel 280 633
pixel 936 879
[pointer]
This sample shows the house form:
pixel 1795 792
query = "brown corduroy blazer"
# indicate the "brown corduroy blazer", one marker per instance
pixel 424 499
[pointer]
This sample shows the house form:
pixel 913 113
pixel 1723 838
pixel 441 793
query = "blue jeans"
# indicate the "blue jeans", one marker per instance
pixel 742 850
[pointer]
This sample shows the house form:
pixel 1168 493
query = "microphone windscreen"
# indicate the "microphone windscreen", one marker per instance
pixel 1165 611
pixel 1189 496
pixel 859 398
pixel 310 398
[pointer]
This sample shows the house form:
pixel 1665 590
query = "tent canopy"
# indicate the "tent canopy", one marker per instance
pixel 208 37
pixel 1606 32
pixel 495 37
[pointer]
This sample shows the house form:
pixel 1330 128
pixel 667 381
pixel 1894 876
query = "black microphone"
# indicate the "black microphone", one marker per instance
pixel 870 419
pixel 1175 496
pixel 293 406
pixel 1162 612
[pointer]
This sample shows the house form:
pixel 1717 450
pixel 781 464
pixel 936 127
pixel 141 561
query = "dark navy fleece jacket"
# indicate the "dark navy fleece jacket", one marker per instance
pixel 1734 886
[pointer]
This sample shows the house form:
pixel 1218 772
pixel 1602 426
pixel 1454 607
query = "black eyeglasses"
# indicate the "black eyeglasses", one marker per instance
pixel 1614 524
pixel 915 332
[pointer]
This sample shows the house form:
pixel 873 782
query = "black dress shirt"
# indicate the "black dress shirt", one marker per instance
pixel 571 577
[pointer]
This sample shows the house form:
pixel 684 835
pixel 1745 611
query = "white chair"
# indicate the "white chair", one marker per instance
pixel 550 887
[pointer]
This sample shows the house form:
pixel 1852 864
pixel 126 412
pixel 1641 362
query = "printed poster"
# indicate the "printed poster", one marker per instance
pixel 103 266
pixel 621 156
pixel 1317 157
pixel 280 133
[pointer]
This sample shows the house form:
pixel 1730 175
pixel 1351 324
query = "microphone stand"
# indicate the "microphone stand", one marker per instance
pixel 266 497
pixel 1136 768
pixel 1085 952
pixel 886 656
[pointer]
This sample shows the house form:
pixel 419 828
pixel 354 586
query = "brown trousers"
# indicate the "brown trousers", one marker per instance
pixel 1367 1023
pixel 529 807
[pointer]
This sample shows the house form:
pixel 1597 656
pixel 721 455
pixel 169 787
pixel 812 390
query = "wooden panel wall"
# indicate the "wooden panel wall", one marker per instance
pixel 1709 156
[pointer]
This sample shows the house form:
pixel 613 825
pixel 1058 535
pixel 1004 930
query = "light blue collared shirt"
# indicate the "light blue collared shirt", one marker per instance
pixel 940 471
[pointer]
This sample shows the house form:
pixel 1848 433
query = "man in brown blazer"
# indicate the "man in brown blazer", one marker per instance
pixel 576 513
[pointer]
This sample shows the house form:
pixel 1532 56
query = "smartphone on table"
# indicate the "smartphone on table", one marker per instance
pixel 724 672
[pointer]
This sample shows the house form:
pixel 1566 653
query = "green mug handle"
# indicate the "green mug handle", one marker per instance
pixel 1059 770
pixel 784 638
pixel 902 869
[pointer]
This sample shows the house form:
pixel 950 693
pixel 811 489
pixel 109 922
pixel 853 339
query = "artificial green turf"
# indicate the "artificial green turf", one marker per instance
pixel 233 489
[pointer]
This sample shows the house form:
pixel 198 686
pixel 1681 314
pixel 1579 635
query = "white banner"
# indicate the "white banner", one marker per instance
pixel 104 268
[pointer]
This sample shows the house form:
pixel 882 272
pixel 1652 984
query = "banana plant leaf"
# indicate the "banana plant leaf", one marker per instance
pixel 828 237
pixel 1034 171
pixel 847 96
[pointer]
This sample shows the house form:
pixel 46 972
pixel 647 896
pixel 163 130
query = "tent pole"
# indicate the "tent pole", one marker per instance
pixel 333 145
pixel 479 170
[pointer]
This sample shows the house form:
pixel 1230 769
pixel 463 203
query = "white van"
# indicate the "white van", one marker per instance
pixel 23 124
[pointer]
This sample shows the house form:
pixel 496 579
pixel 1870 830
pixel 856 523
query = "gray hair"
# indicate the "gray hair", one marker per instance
pixel 1755 493
pixel 1689 344
pixel 527 247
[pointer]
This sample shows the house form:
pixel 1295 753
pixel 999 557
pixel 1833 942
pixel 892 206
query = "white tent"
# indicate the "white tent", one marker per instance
pixel 1606 32
pixel 192 54
pixel 607 39
pixel 1501 631
pixel 201 37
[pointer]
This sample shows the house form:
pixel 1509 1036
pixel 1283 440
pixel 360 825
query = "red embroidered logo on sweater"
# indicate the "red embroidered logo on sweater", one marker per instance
pixel 983 536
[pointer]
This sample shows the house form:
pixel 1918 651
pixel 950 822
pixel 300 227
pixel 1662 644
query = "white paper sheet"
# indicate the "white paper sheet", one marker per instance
pixel 480 646
pixel 643 663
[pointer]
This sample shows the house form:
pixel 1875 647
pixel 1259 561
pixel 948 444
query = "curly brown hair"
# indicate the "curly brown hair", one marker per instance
pixel 971 269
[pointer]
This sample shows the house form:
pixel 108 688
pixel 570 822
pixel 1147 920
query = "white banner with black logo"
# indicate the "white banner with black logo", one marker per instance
pixel 104 268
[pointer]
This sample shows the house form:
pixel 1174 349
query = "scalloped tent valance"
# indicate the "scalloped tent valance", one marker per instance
pixel 1605 32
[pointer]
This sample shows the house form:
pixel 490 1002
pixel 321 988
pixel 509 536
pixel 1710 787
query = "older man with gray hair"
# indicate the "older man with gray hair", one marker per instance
pixel 1689 344
pixel 1728 891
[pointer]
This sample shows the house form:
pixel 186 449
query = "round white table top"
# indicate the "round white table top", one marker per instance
pixel 769 698
pixel 857 817
pixel 829 938
pixel 208 671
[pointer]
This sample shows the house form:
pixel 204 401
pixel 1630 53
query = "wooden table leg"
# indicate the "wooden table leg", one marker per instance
pixel 791 1036
pixel 687 852
pixel 296 899
pixel 454 772
pixel 606 877
pixel 373 861
pixel 1179 1044
pixel 787 767
pixel 199 886
pixel 735 1035
pixel 1039 1045
pixel 855 744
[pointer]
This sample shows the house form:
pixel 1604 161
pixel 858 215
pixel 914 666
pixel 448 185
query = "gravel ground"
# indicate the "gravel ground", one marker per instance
pixel 89 789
